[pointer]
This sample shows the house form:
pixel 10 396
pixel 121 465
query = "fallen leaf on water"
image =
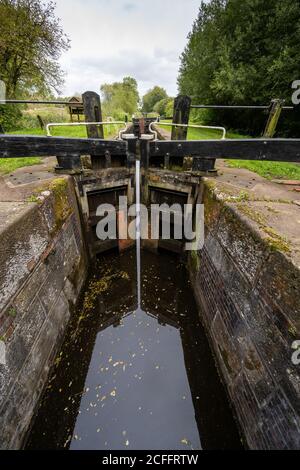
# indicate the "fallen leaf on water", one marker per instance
pixel 185 441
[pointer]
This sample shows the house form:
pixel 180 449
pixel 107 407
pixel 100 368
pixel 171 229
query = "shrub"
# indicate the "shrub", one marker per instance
pixel 10 117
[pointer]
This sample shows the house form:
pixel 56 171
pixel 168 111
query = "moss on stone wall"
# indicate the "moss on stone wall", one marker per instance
pixel 195 261
pixel 216 203
pixel 62 208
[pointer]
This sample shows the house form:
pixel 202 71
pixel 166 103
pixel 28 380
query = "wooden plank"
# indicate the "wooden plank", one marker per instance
pixel 12 146
pixel 286 150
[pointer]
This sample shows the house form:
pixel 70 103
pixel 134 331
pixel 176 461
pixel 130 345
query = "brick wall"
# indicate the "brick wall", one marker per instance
pixel 43 267
pixel 248 296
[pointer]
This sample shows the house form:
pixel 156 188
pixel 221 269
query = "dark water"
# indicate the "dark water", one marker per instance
pixel 135 379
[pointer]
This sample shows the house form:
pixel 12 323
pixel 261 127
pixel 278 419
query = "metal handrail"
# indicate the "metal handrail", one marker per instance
pixel 216 106
pixel 67 103
pixel 195 126
pixel 74 124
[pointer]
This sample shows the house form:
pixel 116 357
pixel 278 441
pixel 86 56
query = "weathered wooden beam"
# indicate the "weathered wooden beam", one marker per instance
pixel 12 146
pixel 280 150
pixel 181 115
pixel 93 113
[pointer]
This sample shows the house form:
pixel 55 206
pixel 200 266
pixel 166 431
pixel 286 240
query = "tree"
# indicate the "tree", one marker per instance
pixel 152 97
pixel 31 41
pixel 164 107
pixel 120 97
pixel 242 52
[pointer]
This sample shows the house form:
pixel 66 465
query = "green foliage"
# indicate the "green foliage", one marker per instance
pixel 164 107
pixel 48 114
pixel 152 97
pixel 243 52
pixel 31 41
pixel 10 117
pixel 12 312
pixel 169 107
pixel 120 98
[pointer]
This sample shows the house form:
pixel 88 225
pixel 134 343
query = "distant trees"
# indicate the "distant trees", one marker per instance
pixel 152 97
pixel 242 52
pixel 31 41
pixel 120 98
pixel 164 107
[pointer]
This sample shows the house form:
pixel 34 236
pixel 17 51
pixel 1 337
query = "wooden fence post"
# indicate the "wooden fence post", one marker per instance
pixel 93 113
pixel 181 115
pixel 274 115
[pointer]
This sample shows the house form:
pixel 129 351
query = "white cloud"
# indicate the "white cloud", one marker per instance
pixel 112 39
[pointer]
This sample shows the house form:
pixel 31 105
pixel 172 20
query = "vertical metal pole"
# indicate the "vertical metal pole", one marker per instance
pixel 93 113
pixel 274 115
pixel 138 231
pixel 143 149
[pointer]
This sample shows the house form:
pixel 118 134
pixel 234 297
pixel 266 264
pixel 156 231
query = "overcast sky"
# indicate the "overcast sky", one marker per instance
pixel 111 39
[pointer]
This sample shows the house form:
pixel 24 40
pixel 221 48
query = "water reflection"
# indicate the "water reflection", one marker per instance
pixel 133 387
pixel 142 379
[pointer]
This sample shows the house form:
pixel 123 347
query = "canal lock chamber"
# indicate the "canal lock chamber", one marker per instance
pixel 135 370
pixel 182 364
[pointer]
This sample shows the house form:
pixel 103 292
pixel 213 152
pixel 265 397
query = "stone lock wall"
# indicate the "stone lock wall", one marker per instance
pixel 247 285
pixel 43 267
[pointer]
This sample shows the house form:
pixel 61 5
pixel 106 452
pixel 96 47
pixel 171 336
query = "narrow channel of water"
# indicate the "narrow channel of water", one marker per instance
pixel 135 378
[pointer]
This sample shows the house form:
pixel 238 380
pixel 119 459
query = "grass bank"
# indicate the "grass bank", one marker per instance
pixel 8 165
pixel 268 170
